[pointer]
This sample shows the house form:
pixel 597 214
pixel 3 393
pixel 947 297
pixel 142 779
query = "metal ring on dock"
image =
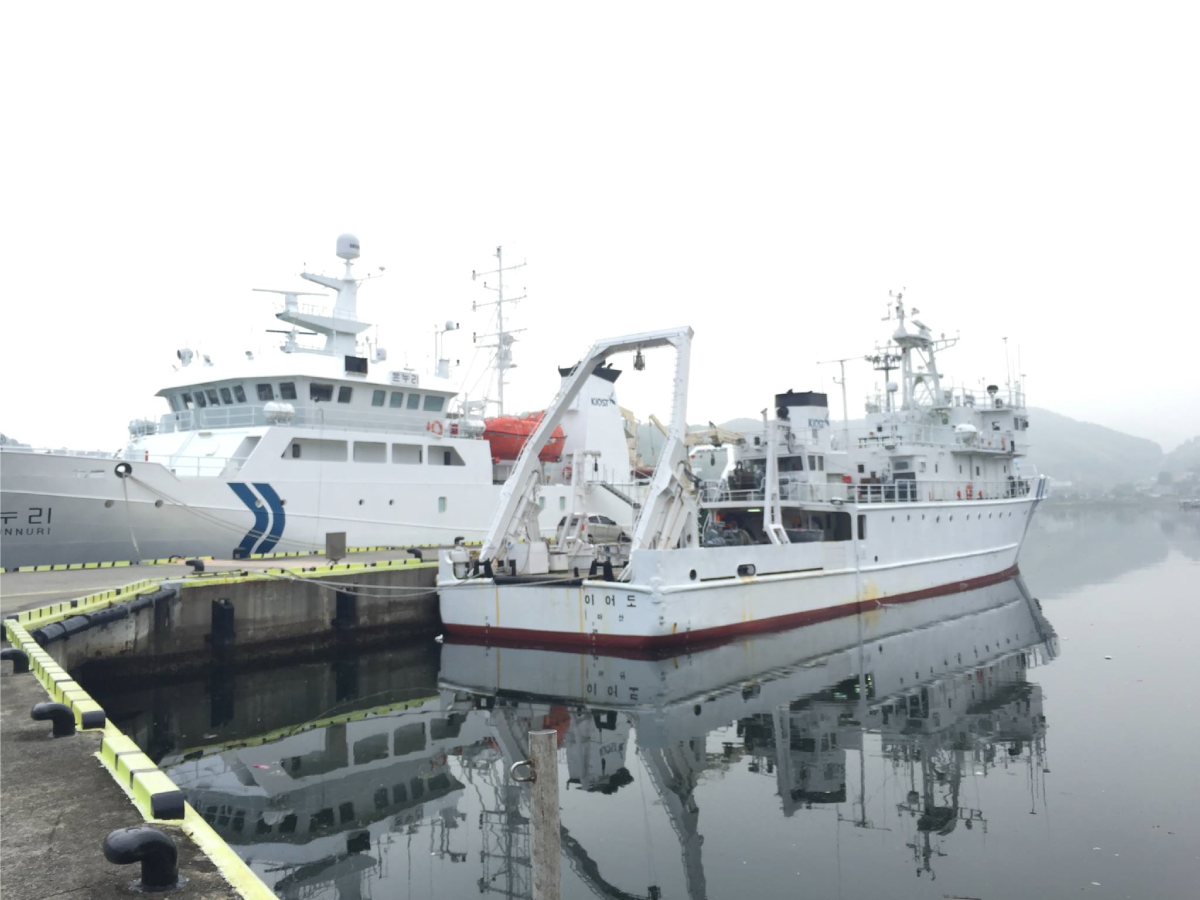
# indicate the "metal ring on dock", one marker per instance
pixel 522 764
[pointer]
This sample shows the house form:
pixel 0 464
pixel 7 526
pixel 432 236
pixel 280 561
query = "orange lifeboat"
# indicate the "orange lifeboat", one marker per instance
pixel 508 434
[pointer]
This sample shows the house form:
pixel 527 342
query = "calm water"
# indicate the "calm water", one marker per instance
pixel 984 745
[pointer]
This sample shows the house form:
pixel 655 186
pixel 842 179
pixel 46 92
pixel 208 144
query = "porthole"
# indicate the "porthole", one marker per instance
pixel 391 503
pixel 360 503
pixel 952 518
pixel 908 517
pixel 258 504
pixel 893 518
pixel 158 504
pixel 283 502
pixel 877 559
pixel 692 574
pixel 108 504
pixel 937 519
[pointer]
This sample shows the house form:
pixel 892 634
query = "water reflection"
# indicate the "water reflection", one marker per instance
pixel 353 777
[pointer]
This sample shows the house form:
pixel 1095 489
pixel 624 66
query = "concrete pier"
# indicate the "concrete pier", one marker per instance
pixel 59 803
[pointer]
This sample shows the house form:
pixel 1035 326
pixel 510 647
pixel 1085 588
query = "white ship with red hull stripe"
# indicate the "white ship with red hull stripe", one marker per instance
pixel 806 525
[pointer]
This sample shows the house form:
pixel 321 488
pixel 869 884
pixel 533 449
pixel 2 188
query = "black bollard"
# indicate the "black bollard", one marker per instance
pixel 196 564
pixel 150 847
pixel 59 714
pixel 20 659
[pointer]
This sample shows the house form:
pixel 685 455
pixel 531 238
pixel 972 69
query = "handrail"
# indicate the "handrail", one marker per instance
pixel 242 416
pixel 897 491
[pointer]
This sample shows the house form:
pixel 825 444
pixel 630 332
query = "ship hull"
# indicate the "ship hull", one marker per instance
pixel 696 597
pixel 64 509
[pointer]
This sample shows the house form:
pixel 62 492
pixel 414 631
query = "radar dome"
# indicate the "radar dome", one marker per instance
pixel 347 247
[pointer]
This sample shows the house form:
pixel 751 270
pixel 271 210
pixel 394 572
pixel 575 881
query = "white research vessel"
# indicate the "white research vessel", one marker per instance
pixel 268 453
pixel 804 527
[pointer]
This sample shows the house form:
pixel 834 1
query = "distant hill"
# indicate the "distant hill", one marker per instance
pixel 1184 458
pixel 1086 454
pixel 1064 448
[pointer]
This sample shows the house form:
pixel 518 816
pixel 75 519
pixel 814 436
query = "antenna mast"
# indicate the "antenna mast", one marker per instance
pixel 504 338
pixel 845 410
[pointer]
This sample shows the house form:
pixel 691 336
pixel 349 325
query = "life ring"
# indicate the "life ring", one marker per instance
pixel 567 471
pixel 123 470
pixel 970 492
pixel 435 426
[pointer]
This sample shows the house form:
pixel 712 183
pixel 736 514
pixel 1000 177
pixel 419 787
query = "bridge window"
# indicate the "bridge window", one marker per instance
pixel 370 451
pixel 397 400
pixel 440 457
pixel 316 449
pixel 320 393
pixel 414 401
pixel 434 403
pixel 378 398
pixel 187 400
pixel 371 749
pixel 239 393
pixel 200 401
pixel 287 390
pixel 226 397
pixel 212 397
pixel 408 739
pixel 265 392
pixel 820 464
pixel 344 393
pixel 812 462
pixel 406 454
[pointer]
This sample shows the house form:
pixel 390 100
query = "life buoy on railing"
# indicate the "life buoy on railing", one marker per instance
pixel 435 426
pixel 567 471
pixel 970 492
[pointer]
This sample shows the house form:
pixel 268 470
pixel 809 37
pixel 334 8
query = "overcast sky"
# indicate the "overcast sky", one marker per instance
pixel 765 173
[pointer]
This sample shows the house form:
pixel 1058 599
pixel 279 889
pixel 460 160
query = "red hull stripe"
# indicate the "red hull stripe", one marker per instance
pixel 642 645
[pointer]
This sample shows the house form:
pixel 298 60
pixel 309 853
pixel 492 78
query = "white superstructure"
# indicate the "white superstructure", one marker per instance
pixel 808 524
pixel 268 453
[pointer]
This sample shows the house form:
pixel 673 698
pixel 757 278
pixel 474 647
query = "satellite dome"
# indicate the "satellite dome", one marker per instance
pixel 347 247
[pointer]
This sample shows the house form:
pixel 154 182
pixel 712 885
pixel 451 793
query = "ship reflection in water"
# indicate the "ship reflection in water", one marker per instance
pixel 911 728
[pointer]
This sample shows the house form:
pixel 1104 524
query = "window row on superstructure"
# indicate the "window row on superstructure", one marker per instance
pixel 318 392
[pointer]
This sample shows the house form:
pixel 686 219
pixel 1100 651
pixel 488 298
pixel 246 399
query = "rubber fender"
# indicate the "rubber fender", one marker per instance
pixel 111 614
pixel 49 634
pixel 150 847
pixel 75 624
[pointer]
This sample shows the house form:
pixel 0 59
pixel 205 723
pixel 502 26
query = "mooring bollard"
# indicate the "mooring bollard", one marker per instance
pixel 150 847
pixel 540 771
pixel 20 659
pixel 59 714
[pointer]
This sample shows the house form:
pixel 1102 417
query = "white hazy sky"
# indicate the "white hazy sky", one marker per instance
pixel 762 172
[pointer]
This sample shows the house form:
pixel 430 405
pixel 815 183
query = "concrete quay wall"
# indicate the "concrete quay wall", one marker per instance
pixel 243 619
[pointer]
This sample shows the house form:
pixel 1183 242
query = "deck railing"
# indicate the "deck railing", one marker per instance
pixel 324 416
pixel 900 491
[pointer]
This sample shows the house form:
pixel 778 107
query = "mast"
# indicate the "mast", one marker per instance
pixel 504 338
